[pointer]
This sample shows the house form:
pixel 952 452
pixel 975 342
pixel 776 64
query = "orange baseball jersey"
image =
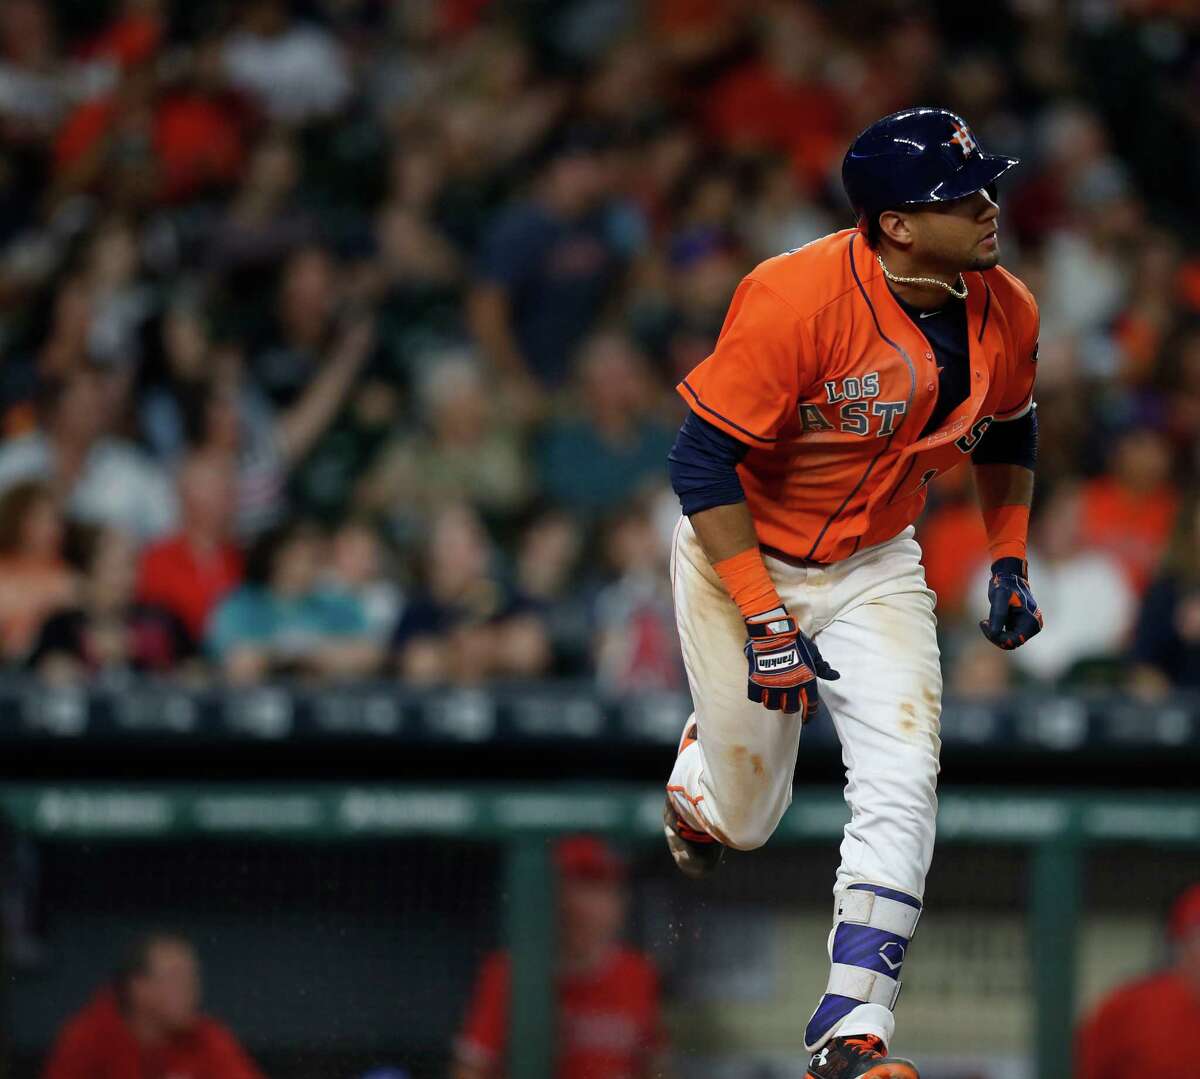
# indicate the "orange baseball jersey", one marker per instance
pixel 823 375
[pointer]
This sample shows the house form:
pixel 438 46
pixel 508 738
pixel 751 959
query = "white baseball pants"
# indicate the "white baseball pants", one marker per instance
pixel 872 618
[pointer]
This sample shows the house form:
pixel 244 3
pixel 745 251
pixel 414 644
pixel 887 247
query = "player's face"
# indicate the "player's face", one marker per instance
pixel 959 235
pixel 169 992
pixel 593 912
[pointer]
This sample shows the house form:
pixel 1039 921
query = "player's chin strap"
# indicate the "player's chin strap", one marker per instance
pixel 872 928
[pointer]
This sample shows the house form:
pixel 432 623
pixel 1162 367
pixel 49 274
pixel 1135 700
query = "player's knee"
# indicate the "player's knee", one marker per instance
pixel 748 830
pixel 742 838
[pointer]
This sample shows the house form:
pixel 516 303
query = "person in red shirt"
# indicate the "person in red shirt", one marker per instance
pixel 1136 1029
pixel 608 996
pixel 147 1024
pixel 190 572
pixel 779 100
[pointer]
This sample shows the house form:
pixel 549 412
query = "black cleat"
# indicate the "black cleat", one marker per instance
pixel 696 853
pixel 861 1056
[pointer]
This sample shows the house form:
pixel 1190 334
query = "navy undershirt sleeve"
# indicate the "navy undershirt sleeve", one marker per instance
pixel 703 466
pixel 1012 442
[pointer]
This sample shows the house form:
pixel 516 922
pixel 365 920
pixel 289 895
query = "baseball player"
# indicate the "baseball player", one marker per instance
pixel 848 374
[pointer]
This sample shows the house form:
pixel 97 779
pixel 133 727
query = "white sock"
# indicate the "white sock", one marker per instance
pixel 868 1019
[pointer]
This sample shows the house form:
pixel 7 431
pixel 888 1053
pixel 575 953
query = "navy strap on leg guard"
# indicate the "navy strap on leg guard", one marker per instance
pixel 872 928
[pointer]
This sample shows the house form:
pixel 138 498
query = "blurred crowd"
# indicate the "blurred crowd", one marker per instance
pixel 339 336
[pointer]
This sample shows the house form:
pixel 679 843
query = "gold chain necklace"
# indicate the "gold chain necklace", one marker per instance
pixel 896 279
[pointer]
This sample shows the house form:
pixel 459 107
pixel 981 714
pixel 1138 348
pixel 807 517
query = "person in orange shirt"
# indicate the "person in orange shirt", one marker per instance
pixel 1129 512
pixel 1123 1037
pixel 608 997
pixel 849 373
pixel 147 1024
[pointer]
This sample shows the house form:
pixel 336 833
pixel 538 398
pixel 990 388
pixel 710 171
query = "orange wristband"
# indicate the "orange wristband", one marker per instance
pixel 748 583
pixel 1007 529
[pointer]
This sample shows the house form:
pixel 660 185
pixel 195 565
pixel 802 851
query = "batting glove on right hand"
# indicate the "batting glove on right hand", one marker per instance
pixel 1014 615
pixel 784 665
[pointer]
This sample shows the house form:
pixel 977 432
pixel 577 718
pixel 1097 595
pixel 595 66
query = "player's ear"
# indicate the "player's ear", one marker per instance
pixel 895 226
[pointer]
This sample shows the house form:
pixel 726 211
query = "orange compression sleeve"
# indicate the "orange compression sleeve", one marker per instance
pixel 748 583
pixel 1007 528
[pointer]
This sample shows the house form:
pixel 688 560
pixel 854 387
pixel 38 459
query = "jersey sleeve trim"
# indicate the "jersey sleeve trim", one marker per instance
pixel 728 424
pixel 1007 417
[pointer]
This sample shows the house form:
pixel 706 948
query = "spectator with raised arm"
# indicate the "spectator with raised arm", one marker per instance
pixel 232 417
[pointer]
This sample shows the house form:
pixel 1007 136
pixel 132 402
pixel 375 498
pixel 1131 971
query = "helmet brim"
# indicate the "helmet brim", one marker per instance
pixel 975 175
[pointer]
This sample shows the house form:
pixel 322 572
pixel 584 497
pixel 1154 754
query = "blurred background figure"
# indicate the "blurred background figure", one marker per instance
pixel 636 644
pixel 283 620
pixel 190 572
pixel 108 634
pixel 294 69
pixel 547 267
pixel 1128 512
pixel 462 625
pixel 617 439
pixel 147 1023
pixel 607 994
pixel 1166 641
pixel 35 579
pixel 466 447
pixel 102 480
pixel 360 565
pixel 1123 1036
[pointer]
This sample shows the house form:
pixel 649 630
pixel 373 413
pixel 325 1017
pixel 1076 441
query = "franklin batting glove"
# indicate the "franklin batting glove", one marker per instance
pixel 784 665
pixel 1014 616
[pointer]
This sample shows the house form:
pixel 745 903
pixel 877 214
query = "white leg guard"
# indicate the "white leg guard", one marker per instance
pixel 873 926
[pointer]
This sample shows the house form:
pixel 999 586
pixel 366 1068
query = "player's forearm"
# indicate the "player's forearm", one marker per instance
pixel 727 535
pixel 1004 485
pixel 1004 462
pixel 1005 495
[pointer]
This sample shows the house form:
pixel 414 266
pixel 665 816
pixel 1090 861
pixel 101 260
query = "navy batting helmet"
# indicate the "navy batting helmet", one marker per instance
pixel 917 156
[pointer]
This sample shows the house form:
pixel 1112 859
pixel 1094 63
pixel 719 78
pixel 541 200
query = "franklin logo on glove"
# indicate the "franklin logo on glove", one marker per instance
pixel 780 659
pixel 784 665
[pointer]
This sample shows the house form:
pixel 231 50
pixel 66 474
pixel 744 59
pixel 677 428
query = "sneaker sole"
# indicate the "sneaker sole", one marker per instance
pixel 890 1068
